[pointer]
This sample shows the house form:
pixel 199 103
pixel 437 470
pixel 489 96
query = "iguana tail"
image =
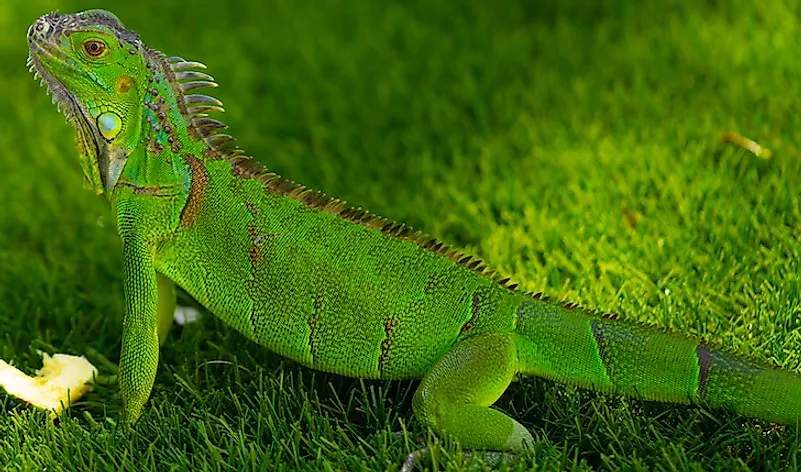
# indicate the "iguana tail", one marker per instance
pixel 569 345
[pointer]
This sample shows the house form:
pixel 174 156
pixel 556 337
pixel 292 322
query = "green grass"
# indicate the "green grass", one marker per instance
pixel 575 146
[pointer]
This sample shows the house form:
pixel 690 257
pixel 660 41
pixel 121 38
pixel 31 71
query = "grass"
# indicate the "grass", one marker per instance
pixel 574 144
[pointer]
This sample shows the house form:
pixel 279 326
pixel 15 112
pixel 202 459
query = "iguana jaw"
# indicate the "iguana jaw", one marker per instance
pixel 61 97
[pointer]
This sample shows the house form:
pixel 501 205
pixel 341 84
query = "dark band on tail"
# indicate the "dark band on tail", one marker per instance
pixel 600 340
pixel 704 361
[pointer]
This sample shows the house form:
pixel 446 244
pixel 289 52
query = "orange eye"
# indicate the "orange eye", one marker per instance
pixel 94 48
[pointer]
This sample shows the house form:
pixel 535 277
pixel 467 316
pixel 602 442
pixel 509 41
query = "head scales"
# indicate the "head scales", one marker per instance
pixel 56 57
pixel 54 25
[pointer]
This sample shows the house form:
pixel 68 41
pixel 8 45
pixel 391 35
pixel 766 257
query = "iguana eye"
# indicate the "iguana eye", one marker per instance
pixel 94 48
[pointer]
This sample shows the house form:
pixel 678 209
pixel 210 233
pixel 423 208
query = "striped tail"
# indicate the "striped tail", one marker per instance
pixel 572 346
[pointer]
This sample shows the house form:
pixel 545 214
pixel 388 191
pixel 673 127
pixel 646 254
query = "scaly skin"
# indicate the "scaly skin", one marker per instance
pixel 330 286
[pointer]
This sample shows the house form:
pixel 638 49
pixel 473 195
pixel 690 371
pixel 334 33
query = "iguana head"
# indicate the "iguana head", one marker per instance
pixel 95 70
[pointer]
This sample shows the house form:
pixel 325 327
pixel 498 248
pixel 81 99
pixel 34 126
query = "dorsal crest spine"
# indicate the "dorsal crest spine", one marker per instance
pixel 195 107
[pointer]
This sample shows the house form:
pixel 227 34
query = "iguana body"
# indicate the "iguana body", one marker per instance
pixel 330 286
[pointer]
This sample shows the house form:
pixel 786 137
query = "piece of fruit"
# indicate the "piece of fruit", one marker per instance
pixel 60 382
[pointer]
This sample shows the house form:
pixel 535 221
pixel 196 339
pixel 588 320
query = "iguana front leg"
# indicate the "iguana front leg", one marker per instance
pixel 454 396
pixel 140 328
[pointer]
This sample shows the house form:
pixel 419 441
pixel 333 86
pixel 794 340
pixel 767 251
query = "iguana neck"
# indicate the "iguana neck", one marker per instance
pixel 174 127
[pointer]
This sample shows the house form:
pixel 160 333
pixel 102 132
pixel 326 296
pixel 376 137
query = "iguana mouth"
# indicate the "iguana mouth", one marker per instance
pixel 39 45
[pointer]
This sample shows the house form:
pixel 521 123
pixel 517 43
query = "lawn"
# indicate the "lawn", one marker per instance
pixel 573 144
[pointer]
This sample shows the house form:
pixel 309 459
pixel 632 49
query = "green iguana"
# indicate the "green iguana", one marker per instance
pixel 330 286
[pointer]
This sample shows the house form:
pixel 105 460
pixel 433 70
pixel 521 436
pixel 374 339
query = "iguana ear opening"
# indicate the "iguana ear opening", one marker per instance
pixel 109 125
pixel 102 160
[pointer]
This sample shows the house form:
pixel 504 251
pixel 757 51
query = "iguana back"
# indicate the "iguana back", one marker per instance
pixel 324 284
pixel 331 286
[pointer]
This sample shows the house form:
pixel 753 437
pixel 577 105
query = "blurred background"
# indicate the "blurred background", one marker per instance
pixel 573 143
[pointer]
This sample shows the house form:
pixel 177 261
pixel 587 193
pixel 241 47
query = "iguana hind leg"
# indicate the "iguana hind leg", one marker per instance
pixel 166 306
pixel 454 397
pixel 169 311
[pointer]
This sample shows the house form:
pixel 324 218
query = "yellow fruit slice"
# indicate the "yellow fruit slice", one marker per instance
pixel 60 382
